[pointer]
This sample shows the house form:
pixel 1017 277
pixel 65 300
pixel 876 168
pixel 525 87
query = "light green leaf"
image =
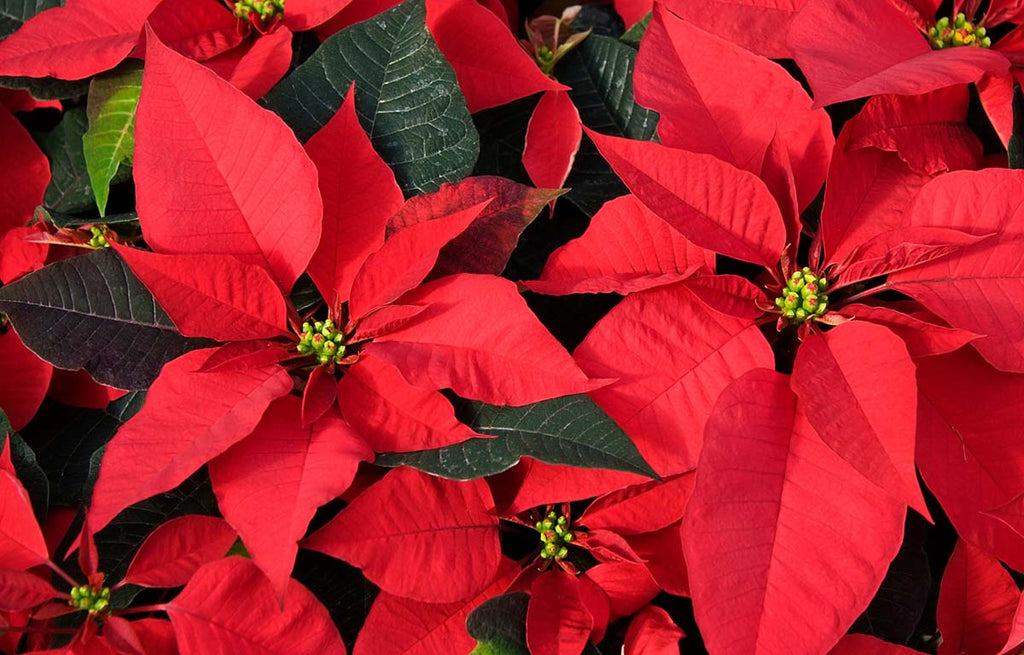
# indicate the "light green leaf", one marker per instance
pixel 110 139
pixel 407 97
pixel 69 189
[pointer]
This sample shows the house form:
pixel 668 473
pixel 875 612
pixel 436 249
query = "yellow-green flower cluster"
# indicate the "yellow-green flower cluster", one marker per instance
pixel 262 9
pixel 90 600
pixel 804 297
pixel 958 32
pixel 323 340
pixel 99 237
pixel 555 536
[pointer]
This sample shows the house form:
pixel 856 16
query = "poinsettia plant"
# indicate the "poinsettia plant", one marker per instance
pixel 450 326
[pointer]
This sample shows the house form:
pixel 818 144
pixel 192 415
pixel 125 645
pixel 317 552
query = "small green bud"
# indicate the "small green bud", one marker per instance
pixel 961 20
pixel 986 42
pixel 980 31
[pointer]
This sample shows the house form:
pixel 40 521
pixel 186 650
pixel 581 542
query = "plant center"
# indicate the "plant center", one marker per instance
pixel 99 237
pixel 89 599
pixel 958 32
pixel 555 537
pixel 803 298
pixel 259 12
pixel 322 340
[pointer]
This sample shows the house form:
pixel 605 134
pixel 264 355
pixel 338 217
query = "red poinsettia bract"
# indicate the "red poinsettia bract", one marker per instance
pixel 432 545
pixel 868 372
pixel 231 206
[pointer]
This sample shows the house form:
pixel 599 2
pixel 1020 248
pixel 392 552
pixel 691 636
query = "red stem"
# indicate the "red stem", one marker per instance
pixel 162 607
pixel 67 578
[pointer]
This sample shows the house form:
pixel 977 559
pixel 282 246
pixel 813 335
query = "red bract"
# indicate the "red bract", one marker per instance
pixel 977 604
pixel 86 37
pixel 758 538
pixel 757 25
pixel 874 47
pixel 442 559
pixel 223 261
pixel 696 81
pixel 856 386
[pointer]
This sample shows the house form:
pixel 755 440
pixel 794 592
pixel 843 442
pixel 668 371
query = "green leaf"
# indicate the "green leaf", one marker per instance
pixel 70 190
pixel 499 625
pixel 636 32
pixel 600 74
pixel 118 542
pixel 110 139
pixel 340 587
pixel 571 430
pixel 502 138
pixel 1015 148
pixel 407 97
pixel 91 312
pixel 14 13
pixel 31 475
pixel 47 88
pixel 65 438
pixel 60 219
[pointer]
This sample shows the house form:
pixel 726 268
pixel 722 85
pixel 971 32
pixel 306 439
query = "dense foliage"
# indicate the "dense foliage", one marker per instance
pixel 439 326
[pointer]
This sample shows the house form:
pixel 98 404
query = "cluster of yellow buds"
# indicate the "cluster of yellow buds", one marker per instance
pixel 958 32
pixel 99 237
pixel 91 600
pixel 323 340
pixel 264 10
pixel 555 536
pixel 803 297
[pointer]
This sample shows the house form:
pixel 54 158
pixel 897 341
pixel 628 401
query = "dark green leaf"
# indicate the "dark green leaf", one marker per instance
pixel 600 73
pixel 65 438
pixel 70 190
pixel 27 468
pixel 570 430
pixel 407 97
pixel 60 219
pixel 900 601
pixel 305 295
pixel 91 312
pixel 110 139
pixel 342 589
pixel 118 542
pixel 14 13
pixel 598 19
pixel 47 88
pixel 1015 149
pixel 499 625
pixel 502 138
pixel 636 31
